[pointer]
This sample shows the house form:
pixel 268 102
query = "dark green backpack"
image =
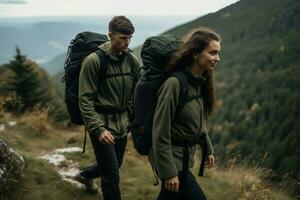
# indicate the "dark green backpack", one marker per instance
pixel 81 46
pixel 156 52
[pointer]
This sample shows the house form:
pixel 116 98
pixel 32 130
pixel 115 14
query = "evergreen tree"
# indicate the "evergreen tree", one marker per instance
pixel 30 86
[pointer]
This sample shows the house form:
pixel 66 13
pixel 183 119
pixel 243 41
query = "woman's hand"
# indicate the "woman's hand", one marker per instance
pixel 210 161
pixel 172 184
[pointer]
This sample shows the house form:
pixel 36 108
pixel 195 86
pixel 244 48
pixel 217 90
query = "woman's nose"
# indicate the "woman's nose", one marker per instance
pixel 217 58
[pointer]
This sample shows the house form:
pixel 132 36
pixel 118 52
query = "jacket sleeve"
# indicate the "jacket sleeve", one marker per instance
pixel 210 149
pixel 88 84
pixel 161 130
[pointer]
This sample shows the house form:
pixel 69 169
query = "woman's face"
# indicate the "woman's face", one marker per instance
pixel 209 57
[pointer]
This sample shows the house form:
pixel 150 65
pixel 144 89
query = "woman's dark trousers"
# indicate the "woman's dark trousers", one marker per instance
pixel 191 190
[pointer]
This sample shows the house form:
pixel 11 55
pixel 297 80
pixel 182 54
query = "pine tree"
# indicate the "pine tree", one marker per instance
pixel 28 86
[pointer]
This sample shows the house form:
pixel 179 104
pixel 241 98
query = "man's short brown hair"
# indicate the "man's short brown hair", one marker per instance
pixel 121 24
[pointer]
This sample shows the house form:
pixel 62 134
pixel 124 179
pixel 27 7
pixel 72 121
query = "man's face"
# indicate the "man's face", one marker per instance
pixel 119 41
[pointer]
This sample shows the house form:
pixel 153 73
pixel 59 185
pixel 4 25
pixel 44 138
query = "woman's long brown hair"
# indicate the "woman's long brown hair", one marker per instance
pixel 196 42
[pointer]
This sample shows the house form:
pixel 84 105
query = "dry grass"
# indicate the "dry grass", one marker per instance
pixel 38 120
pixel 236 181
pixel 9 102
pixel 251 183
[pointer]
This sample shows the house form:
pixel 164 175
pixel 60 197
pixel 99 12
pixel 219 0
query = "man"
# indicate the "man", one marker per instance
pixel 106 106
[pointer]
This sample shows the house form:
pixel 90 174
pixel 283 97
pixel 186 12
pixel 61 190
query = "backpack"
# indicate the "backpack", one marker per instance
pixel 81 46
pixel 156 52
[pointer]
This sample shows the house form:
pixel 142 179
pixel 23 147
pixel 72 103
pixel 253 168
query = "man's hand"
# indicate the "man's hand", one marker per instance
pixel 107 138
pixel 172 184
pixel 210 161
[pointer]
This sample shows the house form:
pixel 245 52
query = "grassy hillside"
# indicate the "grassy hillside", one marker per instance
pixel 34 135
pixel 257 82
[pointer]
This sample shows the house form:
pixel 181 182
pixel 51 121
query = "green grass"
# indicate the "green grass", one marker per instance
pixel 40 180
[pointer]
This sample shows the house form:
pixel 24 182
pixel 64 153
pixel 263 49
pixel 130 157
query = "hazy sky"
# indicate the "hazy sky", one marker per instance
pixel 14 8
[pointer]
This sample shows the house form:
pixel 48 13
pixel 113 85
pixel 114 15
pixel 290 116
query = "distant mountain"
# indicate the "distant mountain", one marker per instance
pixel 44 39
pixel 40 41
pixel 257 82
pixel 56 64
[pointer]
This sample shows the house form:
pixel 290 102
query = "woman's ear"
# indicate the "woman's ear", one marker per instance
pixel 195 56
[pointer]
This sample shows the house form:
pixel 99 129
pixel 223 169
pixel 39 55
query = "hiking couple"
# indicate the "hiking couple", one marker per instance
pixel 106 105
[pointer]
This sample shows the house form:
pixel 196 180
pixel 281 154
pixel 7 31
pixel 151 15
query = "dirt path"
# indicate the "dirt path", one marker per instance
pixel 66 168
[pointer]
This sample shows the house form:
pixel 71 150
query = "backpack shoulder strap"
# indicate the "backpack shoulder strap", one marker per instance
pixel 184 89
pixel 103 62
pixel 134 72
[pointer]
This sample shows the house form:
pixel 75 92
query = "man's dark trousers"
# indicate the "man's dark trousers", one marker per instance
pixel 109 159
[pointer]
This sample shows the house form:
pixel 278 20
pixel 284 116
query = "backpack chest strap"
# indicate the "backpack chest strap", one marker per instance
pixel 117 74
pixel 104 66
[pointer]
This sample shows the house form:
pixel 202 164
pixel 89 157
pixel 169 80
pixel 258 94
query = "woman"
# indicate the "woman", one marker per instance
pixel 197 59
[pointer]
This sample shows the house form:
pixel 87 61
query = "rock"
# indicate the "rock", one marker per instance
pixel 12 123
pixel 11 166
pixel 2 127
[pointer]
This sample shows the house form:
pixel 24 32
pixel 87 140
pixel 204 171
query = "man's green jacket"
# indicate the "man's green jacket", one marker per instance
pixel 109 93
